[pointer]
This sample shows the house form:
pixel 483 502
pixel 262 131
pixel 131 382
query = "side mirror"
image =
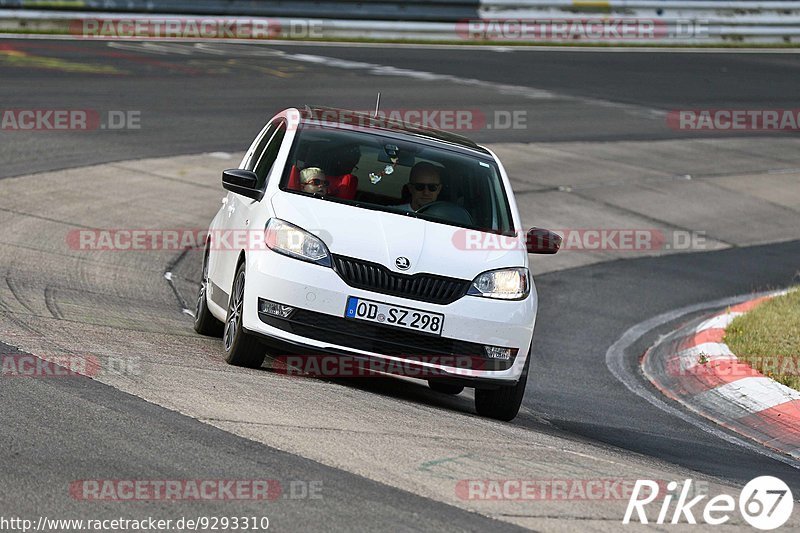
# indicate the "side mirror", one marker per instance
pixel 242 182
pixel 543 241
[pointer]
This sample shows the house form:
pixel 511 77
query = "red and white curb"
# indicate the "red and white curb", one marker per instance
pixel 694 367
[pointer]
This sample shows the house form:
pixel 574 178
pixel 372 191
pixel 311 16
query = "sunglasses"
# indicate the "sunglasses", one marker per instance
pixel 316 182
pixel 432 187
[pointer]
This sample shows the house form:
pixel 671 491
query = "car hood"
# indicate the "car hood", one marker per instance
pixel 382 237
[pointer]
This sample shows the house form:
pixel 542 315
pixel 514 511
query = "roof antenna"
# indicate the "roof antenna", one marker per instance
pixel 377 105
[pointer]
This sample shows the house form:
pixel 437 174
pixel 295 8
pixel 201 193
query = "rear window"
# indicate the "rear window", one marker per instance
pixel 408 178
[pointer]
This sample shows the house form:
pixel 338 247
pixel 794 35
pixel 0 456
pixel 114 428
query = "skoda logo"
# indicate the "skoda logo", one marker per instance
pixel 402 263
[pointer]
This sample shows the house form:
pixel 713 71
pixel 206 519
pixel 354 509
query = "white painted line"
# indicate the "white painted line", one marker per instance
pixel 718 322
pixel 530 93
pixel 615 361
pixel 388 70
pixel 184 309
pixel 752 394
pixel 168 48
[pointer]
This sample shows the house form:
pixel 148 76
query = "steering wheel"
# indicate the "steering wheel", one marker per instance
pixel 447 211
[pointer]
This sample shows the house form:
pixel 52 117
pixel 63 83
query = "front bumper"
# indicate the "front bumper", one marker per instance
pixel 318 325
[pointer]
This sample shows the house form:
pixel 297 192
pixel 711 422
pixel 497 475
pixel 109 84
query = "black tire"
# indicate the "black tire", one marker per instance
pixel 241 348
pixel 445 388
pixel 503 403
pixel 204 321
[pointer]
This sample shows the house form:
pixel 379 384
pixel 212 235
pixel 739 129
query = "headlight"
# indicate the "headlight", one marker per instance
pixel 288 239
pixel 505 284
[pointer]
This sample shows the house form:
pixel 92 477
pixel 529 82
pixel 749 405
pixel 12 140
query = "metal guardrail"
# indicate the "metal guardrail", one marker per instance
pixel 711 11
pixel 709 21
pixel 416 10
pixel 713 20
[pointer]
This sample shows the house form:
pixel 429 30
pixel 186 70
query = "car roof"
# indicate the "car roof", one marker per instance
pixel 353 118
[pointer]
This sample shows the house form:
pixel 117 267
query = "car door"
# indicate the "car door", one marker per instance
pixel 234 219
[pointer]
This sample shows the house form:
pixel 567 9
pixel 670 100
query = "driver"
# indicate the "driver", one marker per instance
pixel 424 184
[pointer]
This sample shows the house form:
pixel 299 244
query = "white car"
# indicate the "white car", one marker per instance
pixel 353 237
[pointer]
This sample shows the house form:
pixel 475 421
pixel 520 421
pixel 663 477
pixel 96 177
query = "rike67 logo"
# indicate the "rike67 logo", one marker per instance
pixel 765 503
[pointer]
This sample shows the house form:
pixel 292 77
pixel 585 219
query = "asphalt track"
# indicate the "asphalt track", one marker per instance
pixel 192 102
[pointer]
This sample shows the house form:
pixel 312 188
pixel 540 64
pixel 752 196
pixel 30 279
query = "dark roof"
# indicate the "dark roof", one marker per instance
pixel 353 118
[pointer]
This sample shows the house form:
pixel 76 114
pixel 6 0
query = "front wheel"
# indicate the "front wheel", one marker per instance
pixel 503 403
pixel 241 348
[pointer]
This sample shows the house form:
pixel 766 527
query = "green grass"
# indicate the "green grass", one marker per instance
pixel 768 338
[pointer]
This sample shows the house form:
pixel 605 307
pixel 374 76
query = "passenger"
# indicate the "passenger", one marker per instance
pixel 313 180
pixel 424 185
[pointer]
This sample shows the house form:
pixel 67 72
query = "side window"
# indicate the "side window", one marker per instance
pixel 253 156
pixel 266 158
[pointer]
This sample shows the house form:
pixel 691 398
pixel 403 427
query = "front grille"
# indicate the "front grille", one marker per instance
pixel 378 278
pixel 381 339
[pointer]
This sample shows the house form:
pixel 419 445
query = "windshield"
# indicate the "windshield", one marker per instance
pixel 408 178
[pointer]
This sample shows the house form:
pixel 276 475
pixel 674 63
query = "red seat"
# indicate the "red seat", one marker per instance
pixel 344 186
pixel 294 179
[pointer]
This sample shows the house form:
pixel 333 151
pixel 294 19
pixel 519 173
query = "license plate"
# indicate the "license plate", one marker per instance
pixel 394 315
